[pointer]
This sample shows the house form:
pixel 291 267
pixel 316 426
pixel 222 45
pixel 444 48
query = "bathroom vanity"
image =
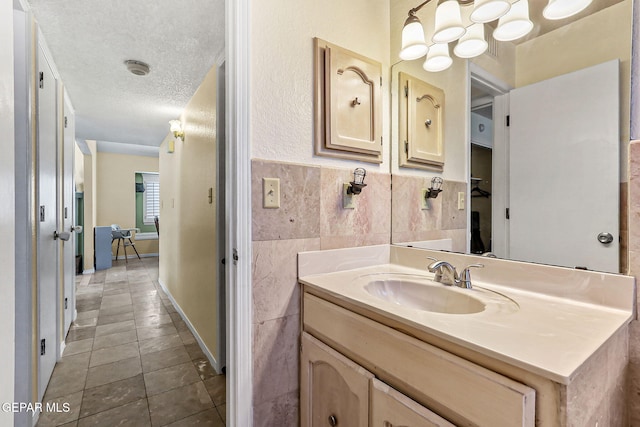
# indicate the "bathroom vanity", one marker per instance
pixel 385 345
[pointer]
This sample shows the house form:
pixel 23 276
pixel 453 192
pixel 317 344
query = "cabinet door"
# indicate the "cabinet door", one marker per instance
pixel 390 408
pixel 334 391
pixel 421 124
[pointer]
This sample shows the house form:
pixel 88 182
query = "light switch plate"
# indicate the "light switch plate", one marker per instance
pixel 347 199
pixel 461 200
pixel 271 193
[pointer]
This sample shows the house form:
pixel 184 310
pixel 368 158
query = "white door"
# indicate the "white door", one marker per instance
pixel 47 221
pixel 564 170
pixel 68 198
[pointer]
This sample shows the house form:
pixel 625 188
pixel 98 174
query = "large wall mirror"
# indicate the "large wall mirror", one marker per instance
pixel 536 135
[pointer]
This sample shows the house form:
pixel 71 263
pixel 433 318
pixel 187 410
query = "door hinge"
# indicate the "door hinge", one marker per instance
pixel 406 91
pixel 381 141
pixel 66 213
pixel 235 256
pixel 380 81
pixel 406 147
pixel 42 213
pixel 43 346
pixel 66 303
pixel 66 121
pixel 41 84
pixel 508 120
pixel 506 213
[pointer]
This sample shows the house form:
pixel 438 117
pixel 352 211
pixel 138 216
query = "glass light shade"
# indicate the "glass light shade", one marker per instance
pixel 413 44
pixel 515 23
pixel 472 43
pixel 358 175
pixel 438 58
pixel 560 9
pixel 489 10
pixel 448 25
pixel 436 183
pixel 176 126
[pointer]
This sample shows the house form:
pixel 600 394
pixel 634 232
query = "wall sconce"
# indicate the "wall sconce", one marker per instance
pixel 435 189
pixel 353 188
pixel 176 128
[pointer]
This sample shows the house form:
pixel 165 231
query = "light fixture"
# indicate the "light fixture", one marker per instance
pixel 413 44
pixel 513 23
pixel 176 128
pixel 448 25
pixel 560 9
pixel 353 188
pixel 438 58
pixel 472 43
pixel 435 189
pixel 357 184
pixel 489 10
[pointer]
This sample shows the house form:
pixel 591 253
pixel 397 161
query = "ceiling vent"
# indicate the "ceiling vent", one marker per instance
pixel 137 67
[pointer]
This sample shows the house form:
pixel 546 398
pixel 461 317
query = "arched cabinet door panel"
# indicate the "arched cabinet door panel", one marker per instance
pixel 421 124
pixel 348 104
pixel 333 389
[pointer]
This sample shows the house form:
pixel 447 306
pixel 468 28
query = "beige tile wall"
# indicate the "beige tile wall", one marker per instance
pixel 443 220
pixel 310 217
pixel 633 226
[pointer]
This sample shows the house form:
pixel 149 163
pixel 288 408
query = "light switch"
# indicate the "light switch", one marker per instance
pixel 271 193
pixel 461 200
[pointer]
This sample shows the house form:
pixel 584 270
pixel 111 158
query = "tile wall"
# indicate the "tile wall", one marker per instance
pixel 633 227
pixel 310 217
pixel 442 220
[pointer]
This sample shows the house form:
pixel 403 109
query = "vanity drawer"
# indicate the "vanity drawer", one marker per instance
pixel 460 391
pixel 390 408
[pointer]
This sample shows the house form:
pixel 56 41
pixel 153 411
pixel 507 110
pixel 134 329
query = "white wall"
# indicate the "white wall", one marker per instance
pixel 7 211
pixel 282 70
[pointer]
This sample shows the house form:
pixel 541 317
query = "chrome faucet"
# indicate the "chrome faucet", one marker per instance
pixel 446 273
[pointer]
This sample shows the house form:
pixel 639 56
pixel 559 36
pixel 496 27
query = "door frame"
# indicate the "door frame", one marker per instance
pixel 238 215
pixel 500 158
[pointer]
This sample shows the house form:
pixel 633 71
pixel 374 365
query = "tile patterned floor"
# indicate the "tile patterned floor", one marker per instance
pixel 130 359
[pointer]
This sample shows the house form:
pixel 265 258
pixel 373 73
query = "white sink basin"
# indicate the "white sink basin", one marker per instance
pixel 425 295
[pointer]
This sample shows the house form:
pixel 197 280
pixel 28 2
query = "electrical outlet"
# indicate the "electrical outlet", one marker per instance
pixel 461 200
pixel 347 199
pixel 271 193
pixel 424 203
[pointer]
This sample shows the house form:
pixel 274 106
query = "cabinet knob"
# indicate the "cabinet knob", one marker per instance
pixel 333 421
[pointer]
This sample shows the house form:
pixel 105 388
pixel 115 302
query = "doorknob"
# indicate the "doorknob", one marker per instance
pixel 76 228
pixel 605 238
pixel 65 235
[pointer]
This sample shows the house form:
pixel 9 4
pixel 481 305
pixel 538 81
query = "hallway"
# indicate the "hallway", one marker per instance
pixel 130 359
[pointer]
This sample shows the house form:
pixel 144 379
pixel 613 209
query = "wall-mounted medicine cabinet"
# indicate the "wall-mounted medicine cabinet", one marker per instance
pixel 421 124
pixel 348 104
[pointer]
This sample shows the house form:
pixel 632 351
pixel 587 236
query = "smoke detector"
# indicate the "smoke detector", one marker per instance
pixel 138 68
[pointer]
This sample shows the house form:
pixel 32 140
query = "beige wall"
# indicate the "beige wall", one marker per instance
pixel 116 197
pixel 89 204
pixel 188 257
pixel 78 168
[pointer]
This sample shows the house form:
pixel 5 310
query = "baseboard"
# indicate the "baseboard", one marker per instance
pixel 91 271
pixel 121 257
pixel 203 347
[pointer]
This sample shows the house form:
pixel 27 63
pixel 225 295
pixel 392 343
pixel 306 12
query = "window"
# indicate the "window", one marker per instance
pixel 151 201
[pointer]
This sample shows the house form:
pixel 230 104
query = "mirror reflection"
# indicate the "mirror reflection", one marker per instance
pixel 536 133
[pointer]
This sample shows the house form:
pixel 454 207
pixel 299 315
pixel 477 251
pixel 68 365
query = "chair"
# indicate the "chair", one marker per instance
pixel 122 235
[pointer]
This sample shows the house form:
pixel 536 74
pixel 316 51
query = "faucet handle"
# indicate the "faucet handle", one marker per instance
pixel 465 275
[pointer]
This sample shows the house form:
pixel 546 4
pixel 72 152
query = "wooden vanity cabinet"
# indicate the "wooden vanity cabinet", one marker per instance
pixel 411 383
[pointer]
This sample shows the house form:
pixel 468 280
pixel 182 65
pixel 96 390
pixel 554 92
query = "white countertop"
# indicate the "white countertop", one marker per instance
pixel 549 335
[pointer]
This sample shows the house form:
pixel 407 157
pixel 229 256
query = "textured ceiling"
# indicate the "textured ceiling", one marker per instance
pixel 90 40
